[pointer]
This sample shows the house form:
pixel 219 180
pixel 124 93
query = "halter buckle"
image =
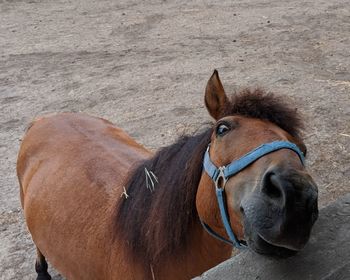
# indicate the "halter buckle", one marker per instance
pixel 220 180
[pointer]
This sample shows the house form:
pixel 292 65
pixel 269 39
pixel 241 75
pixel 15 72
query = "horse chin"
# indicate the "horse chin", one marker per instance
pixel 261 246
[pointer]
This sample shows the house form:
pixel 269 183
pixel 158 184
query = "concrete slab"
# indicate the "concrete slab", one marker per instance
pixel 326 257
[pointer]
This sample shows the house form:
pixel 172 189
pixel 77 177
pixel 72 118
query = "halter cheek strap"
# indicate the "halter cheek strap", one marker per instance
pixel 221 174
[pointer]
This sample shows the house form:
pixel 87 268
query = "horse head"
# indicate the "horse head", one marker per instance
pixel 270 202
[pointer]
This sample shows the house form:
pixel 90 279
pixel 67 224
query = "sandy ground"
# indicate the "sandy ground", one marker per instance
pixel 144 66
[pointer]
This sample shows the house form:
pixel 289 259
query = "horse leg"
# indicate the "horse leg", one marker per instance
pixel 41 266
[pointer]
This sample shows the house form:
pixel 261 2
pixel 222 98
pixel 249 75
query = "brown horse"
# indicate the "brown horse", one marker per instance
pixel 100 206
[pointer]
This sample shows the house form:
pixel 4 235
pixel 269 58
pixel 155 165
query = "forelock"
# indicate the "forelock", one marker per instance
pixel 266 106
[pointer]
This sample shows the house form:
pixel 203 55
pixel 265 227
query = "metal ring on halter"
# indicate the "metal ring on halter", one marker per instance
pixel 220 178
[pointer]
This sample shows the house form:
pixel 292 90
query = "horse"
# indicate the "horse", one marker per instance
pixel 99 205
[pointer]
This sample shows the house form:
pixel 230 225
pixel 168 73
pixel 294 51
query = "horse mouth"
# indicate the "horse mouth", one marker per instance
pixel 294 247
pixel 262 246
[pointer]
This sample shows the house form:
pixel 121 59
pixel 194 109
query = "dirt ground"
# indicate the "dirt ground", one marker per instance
pixel 144 66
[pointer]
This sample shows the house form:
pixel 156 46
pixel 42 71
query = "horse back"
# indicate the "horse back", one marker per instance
pixel 69 141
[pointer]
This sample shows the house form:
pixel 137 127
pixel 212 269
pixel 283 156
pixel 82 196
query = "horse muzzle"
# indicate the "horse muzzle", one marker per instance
pixel 278 216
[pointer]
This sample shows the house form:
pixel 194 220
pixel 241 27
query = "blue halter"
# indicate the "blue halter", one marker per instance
pixel 223 173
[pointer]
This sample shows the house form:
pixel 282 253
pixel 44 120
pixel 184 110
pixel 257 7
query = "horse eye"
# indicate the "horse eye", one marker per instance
pixel 222 129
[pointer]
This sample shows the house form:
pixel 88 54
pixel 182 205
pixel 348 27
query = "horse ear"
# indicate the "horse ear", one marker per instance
pixel 215 96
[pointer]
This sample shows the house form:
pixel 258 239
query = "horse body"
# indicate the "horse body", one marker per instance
pixel 83 162
pixel 100 206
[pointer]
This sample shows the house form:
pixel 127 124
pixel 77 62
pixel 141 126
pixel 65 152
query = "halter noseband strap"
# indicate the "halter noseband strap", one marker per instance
pixel 221 174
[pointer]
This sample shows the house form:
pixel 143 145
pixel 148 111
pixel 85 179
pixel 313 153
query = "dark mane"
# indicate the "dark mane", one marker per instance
pixel 156 223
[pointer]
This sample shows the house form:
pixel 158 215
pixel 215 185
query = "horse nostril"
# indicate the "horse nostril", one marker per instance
pixel 271 186
pixel 241 209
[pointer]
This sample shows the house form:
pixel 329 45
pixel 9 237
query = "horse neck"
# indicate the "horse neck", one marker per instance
pixel 202 253
pixel 181 249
